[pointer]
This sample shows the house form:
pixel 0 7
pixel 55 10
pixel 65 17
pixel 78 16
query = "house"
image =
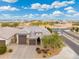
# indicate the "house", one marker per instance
pixel 8 35
pixel 32 35
pixel 28 35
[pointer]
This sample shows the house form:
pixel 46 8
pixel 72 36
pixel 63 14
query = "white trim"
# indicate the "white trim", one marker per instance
pixel 17 38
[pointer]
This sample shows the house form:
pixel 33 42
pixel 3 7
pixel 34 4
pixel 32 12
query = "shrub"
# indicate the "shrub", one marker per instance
pixel 50 30
pixel 54 41
pixel 38 50
pixel 10 50
pixel 44 56
pixel 45 51
pixel 3 49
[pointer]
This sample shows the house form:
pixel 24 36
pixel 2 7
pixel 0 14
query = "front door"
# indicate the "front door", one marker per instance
pixel 38 41
pixel 22 39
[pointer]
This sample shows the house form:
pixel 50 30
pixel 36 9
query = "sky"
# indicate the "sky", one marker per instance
pixel 39 9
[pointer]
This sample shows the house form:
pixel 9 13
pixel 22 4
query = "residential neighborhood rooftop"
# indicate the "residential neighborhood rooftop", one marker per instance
pixel 35 29
pixel 7 32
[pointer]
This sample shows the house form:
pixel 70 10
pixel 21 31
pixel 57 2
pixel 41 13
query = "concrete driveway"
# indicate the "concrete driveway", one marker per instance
pixel 21 52
pixel 24 52
pixel 28 52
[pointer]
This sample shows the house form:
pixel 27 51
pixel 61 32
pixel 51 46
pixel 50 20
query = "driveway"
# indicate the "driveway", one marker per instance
pixel 24 52
pixel 21 52
pixel 28 52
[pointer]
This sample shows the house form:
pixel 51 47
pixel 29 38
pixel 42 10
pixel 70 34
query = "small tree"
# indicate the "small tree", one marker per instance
pixel 54 41
pixel 77 29
pixel 49 29
pixel 3 49
pixel 72 29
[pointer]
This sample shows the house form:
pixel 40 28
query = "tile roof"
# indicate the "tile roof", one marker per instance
pixel 32 29
pixel 7 32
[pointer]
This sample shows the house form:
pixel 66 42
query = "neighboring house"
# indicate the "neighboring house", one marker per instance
pixel 8 35
pixel 28 35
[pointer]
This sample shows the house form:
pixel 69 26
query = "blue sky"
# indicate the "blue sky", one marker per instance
pixel 39 9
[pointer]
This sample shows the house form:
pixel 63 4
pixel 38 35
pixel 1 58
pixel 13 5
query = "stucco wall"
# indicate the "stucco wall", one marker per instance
pixel 8 41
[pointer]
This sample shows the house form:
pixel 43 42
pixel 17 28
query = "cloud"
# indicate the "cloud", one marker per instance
pixel 40 7
pixel 77 14
pixel 70 9
pixel 10 1
pixel 8 8
pixel 57 13
pixel 44 15
pixel 56 4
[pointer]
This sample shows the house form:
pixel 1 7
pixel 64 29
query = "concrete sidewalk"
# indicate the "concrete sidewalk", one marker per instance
pixel 66 53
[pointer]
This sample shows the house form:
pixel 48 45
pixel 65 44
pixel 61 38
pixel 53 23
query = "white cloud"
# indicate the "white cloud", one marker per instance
pixel 77 14
pixel 44 15
pixel 40 7
pixel 58 4
pixel 45 6
pixel 57 13
pixel 70 10
pixel 70 2
pixel 10 1
pixel 8 8
pixel 53 15
pixel 36 6
pixel 28 16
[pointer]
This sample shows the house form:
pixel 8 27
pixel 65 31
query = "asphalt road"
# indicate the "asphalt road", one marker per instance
pixel 71 44
pixel 72 35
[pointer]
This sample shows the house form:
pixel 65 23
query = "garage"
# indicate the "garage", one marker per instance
pixel 22 39
pixel 32 42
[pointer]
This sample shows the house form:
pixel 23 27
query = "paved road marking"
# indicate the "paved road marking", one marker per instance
pixel 71 38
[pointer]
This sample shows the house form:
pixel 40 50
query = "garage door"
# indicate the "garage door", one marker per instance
pixel 22 39
pixel 32 42
pixel 2 42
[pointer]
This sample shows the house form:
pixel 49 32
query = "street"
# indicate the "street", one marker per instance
pixel 70 42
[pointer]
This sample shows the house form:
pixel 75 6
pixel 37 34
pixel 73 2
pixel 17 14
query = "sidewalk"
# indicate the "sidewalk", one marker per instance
pixel 66 53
